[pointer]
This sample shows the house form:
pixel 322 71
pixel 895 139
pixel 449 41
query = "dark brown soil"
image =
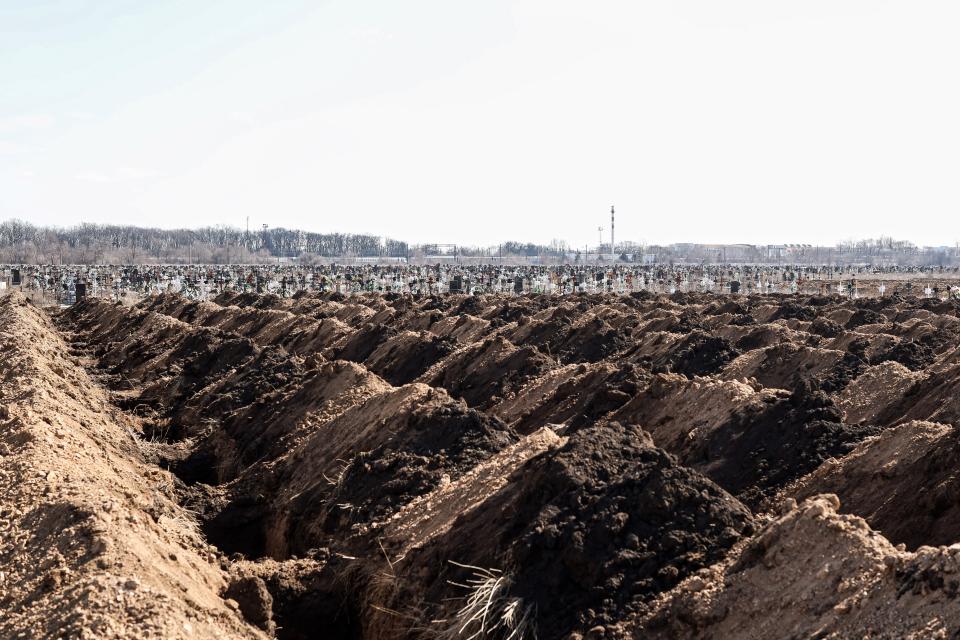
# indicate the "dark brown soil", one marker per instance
pixel 826 327
pixel 759 452
pixel 594 530
pixel 700 354
pixel 865 316
pixel 910 353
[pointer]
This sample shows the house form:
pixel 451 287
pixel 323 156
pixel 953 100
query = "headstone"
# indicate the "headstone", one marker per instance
pixel 15 277
pixel 81 291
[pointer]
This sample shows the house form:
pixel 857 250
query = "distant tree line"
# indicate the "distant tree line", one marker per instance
pixel 22 242
pixel 97 244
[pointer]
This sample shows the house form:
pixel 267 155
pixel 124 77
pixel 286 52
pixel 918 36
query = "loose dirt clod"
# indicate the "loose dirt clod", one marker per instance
pixel 254 601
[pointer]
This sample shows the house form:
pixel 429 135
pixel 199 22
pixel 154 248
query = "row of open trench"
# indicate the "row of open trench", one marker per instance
pixel 372 462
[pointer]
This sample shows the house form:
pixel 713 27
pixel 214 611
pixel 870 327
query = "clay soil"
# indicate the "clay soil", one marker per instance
pixel 387 467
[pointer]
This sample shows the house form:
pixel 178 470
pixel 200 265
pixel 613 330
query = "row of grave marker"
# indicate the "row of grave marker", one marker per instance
pixel 68 284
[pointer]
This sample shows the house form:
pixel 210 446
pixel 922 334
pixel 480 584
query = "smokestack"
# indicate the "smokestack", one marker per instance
pixel 612 250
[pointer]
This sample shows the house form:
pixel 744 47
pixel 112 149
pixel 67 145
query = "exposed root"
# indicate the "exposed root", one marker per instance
pixel 490 611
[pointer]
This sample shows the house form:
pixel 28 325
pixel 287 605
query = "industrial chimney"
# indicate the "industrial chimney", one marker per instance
pixel 613 251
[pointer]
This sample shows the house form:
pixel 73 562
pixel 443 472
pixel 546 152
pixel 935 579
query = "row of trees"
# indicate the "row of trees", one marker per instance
pixel 22 242
pixel 94 243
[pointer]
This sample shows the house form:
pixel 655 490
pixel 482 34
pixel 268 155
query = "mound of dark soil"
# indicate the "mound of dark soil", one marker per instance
pixel 202 356
pixel 761 450
pixel 943 307
pixel 942 337
pixel 438 302
pixel 592 342
pixel 408 361
pixel 689 320
pixel 910 353
pixel 279 416
pixel 733 307
pixel 820 301
pixel 594 530
pixel 570 338
pixel 795 311
pixel 742 320
pixel 437 445
pixel 422 446
pixel 826 327
pixel 507 312
pixel 762 336
pixel 586 397
pixel 643 296
pixel 842 373
pixel 361 343
pixel 865 316
pixel 701 354
pixel 256 300
pixel 852 364
pixel 471 305
pixel 270 368
pixel 487 370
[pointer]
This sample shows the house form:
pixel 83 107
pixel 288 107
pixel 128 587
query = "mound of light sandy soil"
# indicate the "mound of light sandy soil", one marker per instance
pixel 387 467
pixel 813 573
pixel 93 545
pixel 904 482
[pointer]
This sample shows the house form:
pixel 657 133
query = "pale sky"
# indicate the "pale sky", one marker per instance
pixel 475 122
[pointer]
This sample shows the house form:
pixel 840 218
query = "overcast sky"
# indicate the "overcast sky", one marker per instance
pixel 475 122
